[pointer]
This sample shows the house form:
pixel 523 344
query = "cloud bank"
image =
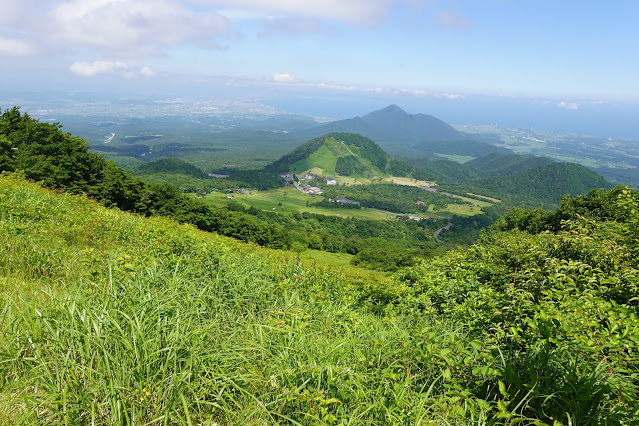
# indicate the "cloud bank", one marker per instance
pixel 568 105
pixel 92 69
pixel 16 47
pixel 131 28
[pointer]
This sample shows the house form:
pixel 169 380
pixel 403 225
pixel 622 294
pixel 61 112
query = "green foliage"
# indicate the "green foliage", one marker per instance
pixel 444 170
pixel 46 154
pixel 391 197
pixel 348 166
pixel 560 305
pixel 597 204
pixel 117 319
pixel 506 164
pixel 536 186
pixel 384 258
pixel 173 166
pixel 466 148
pixel 346 235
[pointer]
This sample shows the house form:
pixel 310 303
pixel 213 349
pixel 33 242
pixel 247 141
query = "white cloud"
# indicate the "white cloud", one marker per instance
pixel 417 93
pixel 284 78
pixel 92 69
pixel 130 28
pixel 289 80
pixel 147 72
pixel 454 21
pixel 355 11
pixel 16 47
pixel 568 105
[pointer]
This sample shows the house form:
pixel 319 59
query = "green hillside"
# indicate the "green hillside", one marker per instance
pixel 466 148
pixel 485 166
pixel 444 170
pixel 536 186
pixel 172 166
pixel 506 164
pixel 110 318
pixel 341 154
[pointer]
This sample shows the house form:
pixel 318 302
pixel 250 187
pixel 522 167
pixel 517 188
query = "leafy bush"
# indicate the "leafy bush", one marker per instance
pixel 560 306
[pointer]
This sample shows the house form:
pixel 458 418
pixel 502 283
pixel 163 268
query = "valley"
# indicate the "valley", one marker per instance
pixel 291 200
pixel 398 291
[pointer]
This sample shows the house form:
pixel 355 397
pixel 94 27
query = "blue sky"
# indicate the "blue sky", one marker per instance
pixel 571 55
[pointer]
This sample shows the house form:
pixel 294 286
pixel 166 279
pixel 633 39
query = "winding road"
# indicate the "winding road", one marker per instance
pixel 448 225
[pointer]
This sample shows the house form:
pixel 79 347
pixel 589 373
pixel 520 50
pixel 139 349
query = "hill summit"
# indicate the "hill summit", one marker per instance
pixel 340 154
pixel 391 124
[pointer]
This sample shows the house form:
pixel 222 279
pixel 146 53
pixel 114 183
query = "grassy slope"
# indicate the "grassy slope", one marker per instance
pixel 323 158
pixel 111 318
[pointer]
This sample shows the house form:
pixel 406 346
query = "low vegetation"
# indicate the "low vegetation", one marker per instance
pixel 113 318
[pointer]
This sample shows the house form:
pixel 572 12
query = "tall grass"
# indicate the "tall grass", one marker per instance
pixel 108 318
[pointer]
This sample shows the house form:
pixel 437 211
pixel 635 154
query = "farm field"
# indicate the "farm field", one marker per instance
pixel 291 200
pixel 409 181
pixel 457 158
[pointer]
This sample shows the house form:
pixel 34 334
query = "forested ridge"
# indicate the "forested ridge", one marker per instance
pixel 542 185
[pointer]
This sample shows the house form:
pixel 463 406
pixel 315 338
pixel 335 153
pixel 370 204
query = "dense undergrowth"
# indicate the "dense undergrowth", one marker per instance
pixel 111 318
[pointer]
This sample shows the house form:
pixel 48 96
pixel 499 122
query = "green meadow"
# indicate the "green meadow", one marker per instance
pixel 292 200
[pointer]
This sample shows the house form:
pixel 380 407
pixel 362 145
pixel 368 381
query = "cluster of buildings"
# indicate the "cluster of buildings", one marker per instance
pixel 415 218
pixel 289 179
pixel 310 190
pixel 343 200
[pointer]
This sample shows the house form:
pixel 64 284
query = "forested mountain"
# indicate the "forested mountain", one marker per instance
pixel 542 185
pixel 444 170
pixel 341 154
pixel 392 123
pixel 491 165
pixel 396 130
pixel 505 164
